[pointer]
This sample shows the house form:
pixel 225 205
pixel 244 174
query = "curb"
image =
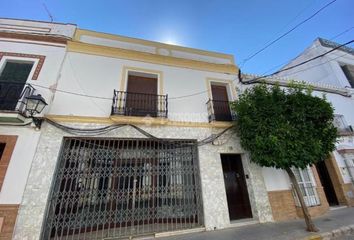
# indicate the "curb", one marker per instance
pixel 334 234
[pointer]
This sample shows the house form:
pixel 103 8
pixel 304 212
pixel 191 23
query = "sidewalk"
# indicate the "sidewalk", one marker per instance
pixel 290 230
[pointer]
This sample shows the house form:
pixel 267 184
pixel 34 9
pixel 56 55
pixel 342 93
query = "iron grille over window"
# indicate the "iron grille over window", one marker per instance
pixel 13 96
pixel 220 111
pixel 305 180
pixel 139 104
pixel 111 188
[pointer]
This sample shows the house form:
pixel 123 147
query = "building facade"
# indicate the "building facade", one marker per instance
pixel 136 140
pixel 128 148
pixel 31 54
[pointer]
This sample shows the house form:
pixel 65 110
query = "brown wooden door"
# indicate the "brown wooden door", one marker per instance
pixel 236 188
pixel 141 99
pixel 221 103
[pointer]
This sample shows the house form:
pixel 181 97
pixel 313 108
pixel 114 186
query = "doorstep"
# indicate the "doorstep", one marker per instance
pixel 243 222
pixel 337 208
pixel 179 232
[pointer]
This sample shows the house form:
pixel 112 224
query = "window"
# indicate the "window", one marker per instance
pixel 348 71
pixel 16 71
pixel 13 78
pixel 306 183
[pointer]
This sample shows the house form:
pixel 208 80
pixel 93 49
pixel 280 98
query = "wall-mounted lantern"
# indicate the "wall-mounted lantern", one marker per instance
pixel 35 105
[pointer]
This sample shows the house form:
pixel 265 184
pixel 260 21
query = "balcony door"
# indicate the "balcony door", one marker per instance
pixel 141 98
pixel 221 103
pixel 12 81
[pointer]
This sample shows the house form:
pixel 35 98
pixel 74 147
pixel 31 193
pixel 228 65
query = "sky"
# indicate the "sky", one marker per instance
pixel 237 27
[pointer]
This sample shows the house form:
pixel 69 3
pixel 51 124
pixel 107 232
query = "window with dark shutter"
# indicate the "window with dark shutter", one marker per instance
pixel 13 78
pixel 349 73
pixel 16 72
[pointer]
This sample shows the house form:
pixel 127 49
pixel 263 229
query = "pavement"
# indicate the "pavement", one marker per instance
pixel 335 224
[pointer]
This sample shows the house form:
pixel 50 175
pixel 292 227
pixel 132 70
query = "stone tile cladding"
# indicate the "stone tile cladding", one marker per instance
pixel 33 207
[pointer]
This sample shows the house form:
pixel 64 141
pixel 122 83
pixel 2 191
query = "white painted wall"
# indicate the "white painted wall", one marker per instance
pixel 20 163
pixel 322 70
pixel 99 76
pixel 21 159
pixel 155 48
pixel 50 70
pixel 275 179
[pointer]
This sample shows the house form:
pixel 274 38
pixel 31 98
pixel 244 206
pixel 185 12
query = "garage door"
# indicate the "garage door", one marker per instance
pixel 112 188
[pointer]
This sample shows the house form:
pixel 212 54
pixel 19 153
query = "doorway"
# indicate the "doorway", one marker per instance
pixel 236 187
pixel 327 183
pixel 142 98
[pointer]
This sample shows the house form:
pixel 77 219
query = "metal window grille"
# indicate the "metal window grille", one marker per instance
pixel 139 104
pixel 115 188
pixel 307 188
pixel 13 96
pixel 220 111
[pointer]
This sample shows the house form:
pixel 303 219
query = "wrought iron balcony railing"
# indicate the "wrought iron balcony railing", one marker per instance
pixel 13 96
pixel 220 111
pixel 342 127
pixel 139 104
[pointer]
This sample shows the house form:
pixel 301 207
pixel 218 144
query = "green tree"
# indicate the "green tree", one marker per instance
pixel 285 128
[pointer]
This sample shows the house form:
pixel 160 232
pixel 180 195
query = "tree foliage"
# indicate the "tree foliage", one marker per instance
pixel 285 128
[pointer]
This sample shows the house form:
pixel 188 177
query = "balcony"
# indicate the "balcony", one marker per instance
pixel 220 111
pixel 342 127
pixel 139 104
pixel 13 101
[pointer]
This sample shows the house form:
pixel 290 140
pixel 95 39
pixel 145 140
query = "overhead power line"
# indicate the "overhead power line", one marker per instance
pixel 332 38
pixel 287 32
pixel 299 64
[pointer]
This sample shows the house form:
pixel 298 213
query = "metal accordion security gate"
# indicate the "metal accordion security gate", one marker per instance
pixel 117 188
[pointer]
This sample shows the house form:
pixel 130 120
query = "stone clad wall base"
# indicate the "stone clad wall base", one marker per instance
pixel 8 215
pixel 284 207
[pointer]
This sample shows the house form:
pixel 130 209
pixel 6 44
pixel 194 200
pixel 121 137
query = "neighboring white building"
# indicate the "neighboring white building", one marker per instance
pixel 128 146
pixel 334 69
pixel 31 54
pixel 328 183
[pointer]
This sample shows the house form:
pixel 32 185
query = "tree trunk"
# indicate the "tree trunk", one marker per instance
pixel 309 223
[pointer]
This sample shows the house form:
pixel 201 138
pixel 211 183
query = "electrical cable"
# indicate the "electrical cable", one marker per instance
pixel 286 33
pixel 296 65
pixel 332 38
pixel 106 129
